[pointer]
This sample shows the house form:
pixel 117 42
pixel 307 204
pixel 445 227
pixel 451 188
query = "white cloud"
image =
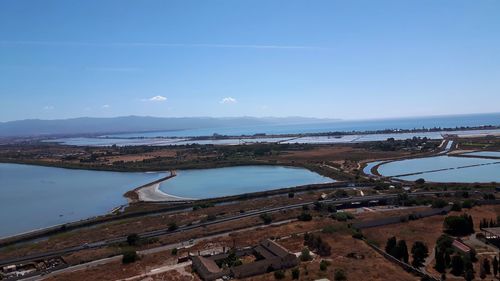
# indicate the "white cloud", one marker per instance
pixel 156 99
pixel 106 106
pixel 228 100
pixel 48 107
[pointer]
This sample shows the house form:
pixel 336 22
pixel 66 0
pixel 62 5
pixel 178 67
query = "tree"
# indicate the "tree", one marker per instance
pixel 291 194
pixel 456 207
pixel 447 259
pixel 419 253
pixel 482 273
pixel 339 275
pixel 323 265
pixel 469 275
pixel 132 239
pixel 457 265
pixel 304 216
pixel 402 251
pixel 295 273
pixel 495 266
pixel 486 265
pixel 440 260
pixel 280 274
pixel 390 246
pixel 459 225
pixel 129 256
pixel 420 181
pixel 439 203
pixel 305 255
pixel 172 226
pixel 267 218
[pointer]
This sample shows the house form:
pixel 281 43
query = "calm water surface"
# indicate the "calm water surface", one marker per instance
pixel 219 182
pixel 495 154
pixel 485 173
pixel 34 197
pixel 357 125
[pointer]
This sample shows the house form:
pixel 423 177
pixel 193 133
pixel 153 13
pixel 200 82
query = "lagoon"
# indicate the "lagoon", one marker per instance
pixel 35 197
pixel 458 169
pixel 218 182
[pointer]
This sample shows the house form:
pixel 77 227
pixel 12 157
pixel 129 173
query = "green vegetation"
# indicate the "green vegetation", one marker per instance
pixel 280 274
pixel 266 218
pixel 129 256
pixel 339 275
pixel 317 244
pixel 456 207
pixel 133 239
pixel 397 249
pixel 342 216
pixel 172 226
pixel 459 225
pixel 439 203
pixel 304 216
pixel 295 273
pixel 419 253
pixel 305 254
pixel 323 265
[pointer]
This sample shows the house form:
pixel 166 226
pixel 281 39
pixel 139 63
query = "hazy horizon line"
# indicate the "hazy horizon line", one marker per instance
pixel 256 117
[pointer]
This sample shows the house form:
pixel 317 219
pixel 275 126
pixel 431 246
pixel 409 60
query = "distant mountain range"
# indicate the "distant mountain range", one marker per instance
pixel 128 124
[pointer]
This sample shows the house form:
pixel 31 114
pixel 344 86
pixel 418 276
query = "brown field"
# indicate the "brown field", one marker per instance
pixel 428 230
pixel 371 267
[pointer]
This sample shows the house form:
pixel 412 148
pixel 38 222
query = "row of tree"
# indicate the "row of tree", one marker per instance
pixel 459 225
pixel 317 244
pixel 485 223
pixel 399 250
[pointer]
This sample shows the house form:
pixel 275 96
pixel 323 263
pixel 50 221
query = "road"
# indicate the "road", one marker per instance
pixel 183 244
pixel 164 231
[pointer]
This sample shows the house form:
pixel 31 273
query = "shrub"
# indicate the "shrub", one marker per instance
pixel 459 225
pixel 304 217
pixel 266 218
pixel 439 203
pixel 329 229
pixel 295 273
pixel 132 239
pixel 172 226
pixel 467 204
pixel 342 216
pixel 280 274
pixel 174 252
pixel 129 256
pixel 456 207
pixel 339 275
pixel 291 195
pixel 357 234
pixel 420 181
pixel 305 255
pixel 323 265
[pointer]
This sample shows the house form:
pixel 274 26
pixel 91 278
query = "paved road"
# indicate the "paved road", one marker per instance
pixel 165 231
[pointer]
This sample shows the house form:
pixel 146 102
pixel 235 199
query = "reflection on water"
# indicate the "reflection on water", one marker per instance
pixel 444 169
pixel 35 197
pixel 219 182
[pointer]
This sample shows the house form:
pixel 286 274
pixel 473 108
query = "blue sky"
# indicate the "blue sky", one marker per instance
pixel 337 59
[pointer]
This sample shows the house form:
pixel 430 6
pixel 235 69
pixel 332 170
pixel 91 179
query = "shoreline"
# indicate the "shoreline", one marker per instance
pixel 152 193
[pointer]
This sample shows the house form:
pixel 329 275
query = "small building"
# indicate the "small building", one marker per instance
pixel 492 235
pixel 461 247
pixel 265 257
